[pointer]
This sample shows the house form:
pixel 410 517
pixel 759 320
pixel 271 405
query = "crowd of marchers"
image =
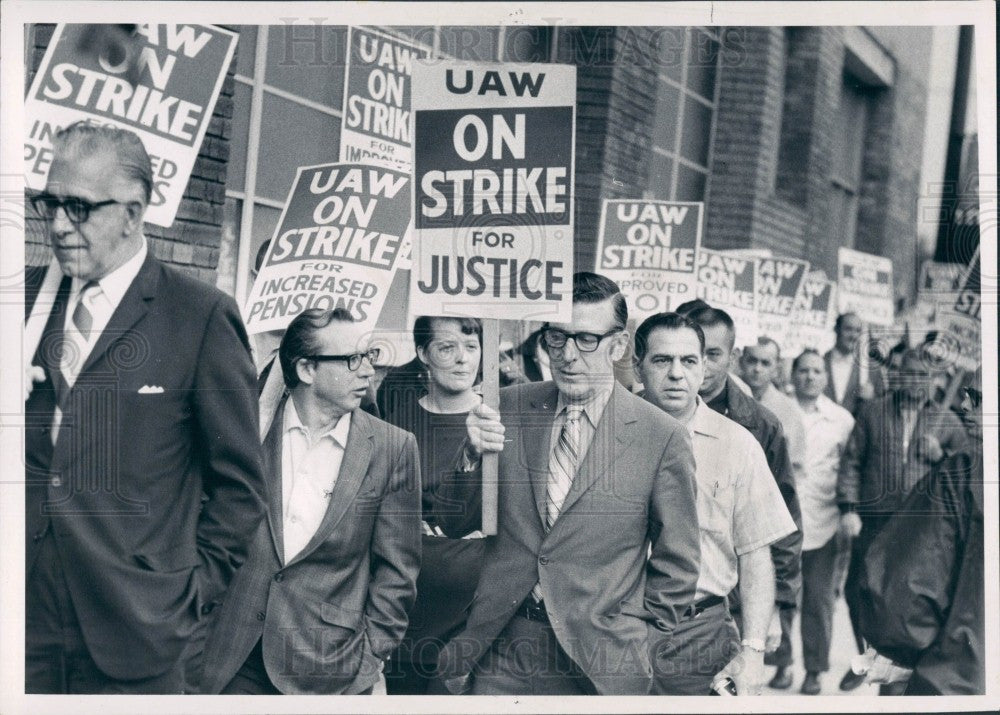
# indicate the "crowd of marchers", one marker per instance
pixel 196 526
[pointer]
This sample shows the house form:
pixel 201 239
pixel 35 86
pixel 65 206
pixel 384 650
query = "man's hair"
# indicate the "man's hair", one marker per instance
pixel 838 324
pixel 593 288
pixel 299 340
pixel 423 328
pixel 766 342
pixel 666 321
pixel 691 306
pixel 710 317
pixel 804 354
pixel 81 140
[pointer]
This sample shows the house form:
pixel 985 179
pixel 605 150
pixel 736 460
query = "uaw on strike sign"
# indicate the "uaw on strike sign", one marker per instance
pixel 377 115
pixel 650 249
pixel 179 71
pixel 493 190
pixel 336 246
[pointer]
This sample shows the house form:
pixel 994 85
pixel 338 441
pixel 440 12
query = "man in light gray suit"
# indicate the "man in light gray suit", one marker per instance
pixel 323 597
pixel 592 481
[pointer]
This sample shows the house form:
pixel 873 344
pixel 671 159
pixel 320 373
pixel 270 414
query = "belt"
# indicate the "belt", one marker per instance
pixel 533 610
pixel 704 604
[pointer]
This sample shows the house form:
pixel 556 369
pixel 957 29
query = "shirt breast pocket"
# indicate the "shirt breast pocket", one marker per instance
pixel 715 508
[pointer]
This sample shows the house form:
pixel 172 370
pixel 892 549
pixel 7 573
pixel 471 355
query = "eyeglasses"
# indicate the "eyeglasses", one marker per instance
pixel 77 210
pixel 353 361
pixel 585 342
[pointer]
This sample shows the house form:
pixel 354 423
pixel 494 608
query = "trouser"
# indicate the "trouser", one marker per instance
pixel 686 661
pixel 56 658
pixel 782 656
pixel 252 677
pixel 526 659
pixel 404 677
pixel 819 582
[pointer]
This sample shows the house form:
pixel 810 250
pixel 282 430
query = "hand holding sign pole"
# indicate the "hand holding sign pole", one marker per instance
pixel 493 203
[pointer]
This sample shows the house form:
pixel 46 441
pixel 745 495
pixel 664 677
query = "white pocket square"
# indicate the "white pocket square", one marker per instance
pixel 150 390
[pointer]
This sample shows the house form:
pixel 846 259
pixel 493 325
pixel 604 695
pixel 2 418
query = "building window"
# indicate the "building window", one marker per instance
pixel 683 124
pixel 791 167
pixel 850 127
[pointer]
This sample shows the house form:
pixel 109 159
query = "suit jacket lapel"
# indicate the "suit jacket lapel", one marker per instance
pixel 611 437
pixel 353 469
pixel 536 445
pixel 272 481
pixel 134 305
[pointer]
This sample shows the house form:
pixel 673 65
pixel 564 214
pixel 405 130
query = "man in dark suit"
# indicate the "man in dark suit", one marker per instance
pixel 143 474
pixel 847 384
pixel 324 595
pixel 592 481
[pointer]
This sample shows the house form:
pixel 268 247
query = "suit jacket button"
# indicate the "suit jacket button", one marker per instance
pixel 543 560
pixel 56 482
pixel 279 577
pixel 207 608
pixel 37 536
pixel 260 615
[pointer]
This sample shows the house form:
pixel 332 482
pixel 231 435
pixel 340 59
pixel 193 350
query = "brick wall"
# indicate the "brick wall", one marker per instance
pixel 192 242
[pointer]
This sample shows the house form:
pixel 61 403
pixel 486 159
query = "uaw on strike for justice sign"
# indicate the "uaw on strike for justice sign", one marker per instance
pixel 864 286
pixel 493 190
pixel 336 246
pixel 650 249
pixel 726 281
pixel 377 122
pixel 778 282
pixel 180 69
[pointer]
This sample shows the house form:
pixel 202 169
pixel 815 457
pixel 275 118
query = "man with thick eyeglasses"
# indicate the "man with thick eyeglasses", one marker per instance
pixel 323 597
pixel 143 478
pixel 592 481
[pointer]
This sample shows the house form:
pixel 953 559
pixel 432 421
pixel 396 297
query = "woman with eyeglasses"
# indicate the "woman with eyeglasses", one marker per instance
pixel 449 351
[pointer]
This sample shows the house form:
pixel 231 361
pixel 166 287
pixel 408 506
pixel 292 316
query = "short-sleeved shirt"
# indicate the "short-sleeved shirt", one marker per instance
pixel 740 508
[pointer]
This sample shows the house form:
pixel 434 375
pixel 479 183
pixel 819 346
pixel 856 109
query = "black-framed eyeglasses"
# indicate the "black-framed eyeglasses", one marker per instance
pixel 353 361
pixel 585 342
pixel 77 210
pixel 974 395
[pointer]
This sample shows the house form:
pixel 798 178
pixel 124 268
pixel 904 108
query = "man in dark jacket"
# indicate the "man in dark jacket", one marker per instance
pixel 921 593
pixel 722 395
pixel 896 442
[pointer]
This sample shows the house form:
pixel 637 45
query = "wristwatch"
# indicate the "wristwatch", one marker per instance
pixel 756 644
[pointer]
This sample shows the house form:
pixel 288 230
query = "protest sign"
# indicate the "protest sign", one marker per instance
pixel 163 86
pixel 778 281
pixel 813 316
pixel 864 286
pixel 962 321
pixel 493 190
pixel 650 249
pixel 377 123
pixel 937 279
pixel 336 246
pixel 727 281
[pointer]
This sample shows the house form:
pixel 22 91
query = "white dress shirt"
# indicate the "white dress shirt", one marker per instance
pixel 310 465
pixel 828 426
pixel 740 507
pixel 840 372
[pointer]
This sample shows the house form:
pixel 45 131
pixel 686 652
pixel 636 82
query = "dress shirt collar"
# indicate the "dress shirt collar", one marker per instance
pixel 704 421
pixel 592 408
pixel 116 283
pixel 338 433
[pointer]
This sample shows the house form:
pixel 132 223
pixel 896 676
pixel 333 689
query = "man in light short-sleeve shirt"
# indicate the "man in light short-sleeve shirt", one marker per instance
pixel 740 514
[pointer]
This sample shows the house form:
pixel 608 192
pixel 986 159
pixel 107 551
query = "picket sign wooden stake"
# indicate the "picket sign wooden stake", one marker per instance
pixel 491 396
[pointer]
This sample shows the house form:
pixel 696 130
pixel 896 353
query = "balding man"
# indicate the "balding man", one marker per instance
pixel 143 479
pixel 848 384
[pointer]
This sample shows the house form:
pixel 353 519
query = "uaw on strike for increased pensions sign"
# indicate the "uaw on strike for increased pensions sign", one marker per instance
pixel 493 178
pixel 162 85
